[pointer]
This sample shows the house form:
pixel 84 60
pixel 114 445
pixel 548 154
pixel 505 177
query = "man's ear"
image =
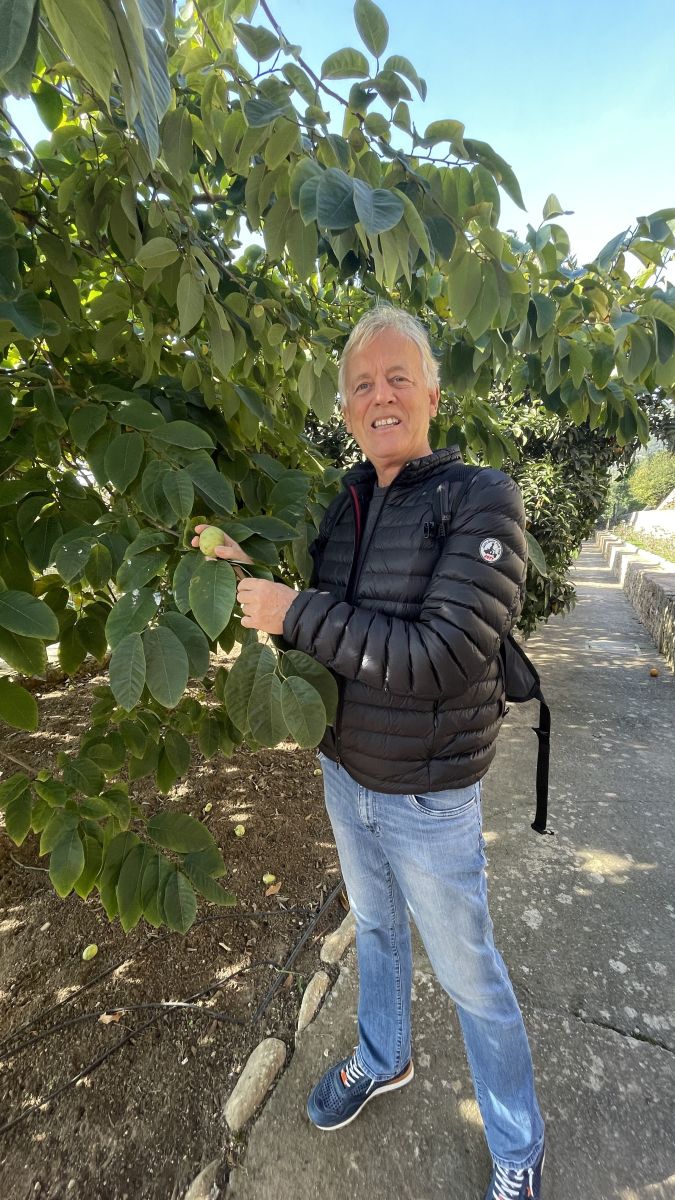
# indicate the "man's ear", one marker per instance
pixel 346 418
pixel 434 400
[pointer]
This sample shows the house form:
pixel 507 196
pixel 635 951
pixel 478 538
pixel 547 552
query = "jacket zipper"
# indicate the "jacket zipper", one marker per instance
pixel 354 576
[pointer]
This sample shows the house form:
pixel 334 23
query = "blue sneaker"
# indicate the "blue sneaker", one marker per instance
pixel 341 1093
pixel 516 1185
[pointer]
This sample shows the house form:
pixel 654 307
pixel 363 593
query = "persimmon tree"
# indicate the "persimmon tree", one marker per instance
pixel 180 263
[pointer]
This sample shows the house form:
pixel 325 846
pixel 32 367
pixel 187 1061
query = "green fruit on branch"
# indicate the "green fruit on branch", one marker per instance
pixel 209 538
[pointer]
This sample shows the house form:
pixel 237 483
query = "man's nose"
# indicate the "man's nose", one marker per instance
pixel 383 392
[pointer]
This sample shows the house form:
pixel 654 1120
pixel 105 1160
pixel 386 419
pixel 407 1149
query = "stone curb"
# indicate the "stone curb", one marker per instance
pixel 649 582
pixel 262 1067
pixel 269 1057
pixel 337 942
pixel 203 1186
pixel 311 999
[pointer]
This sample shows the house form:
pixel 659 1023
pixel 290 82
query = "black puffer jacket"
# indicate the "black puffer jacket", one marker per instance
pixel 413 637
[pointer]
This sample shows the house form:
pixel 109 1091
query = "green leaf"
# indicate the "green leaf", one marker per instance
pixel 155 876
pixel 93 857
pixel 212 592
pixel 271 528
pixel 131 614
pixel 113 857
pixel 552 207
pixel 15 19
pixel 303 711
pixel 48 103
pixel 372 26
pixel 535 554
pixel 665 346
pixel 177 749
pixel 214 487
pixel 118 803
pixel 253 663
pixel 10 279
pixel 295 662
pixel 83 775
pixel 133 411
pixel 159 252
pixel 12 787
pixel 179 902
pixel 127 671
pixel 377 208
pixel 335 200
pixel 206 885
pixel 264 715
pixel 464 284
pixel 180 832
pixel 483 153
pixel 260 111
pixel 258 41
pixel 443 131
pixel 99 566
pixel 546 314
pixel 193 640
pixel 26 655
pixel 28 616
pixel 17 816
pixel 181 579
pixel 190 301
pixel 166 665
pixel 17 706
pixel 85 422
pixel 403 66
pixel 183 434
pixel 177 142
pixel 25 314
pixel 80 28
pixel 639 354
pixel 345 64
pixel 180 493
pixel 66 863
pixel 606 256
pixel 59 822
pixel 123 459
pixel 129 883
pixel 286 137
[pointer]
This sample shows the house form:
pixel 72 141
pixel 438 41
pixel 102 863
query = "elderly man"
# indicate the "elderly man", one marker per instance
pixel 411 627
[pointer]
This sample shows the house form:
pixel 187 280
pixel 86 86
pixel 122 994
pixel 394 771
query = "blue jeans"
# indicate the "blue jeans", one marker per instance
pixel 425 854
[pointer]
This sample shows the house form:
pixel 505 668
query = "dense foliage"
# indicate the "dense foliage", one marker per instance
pixel 652 479
pixel 152 374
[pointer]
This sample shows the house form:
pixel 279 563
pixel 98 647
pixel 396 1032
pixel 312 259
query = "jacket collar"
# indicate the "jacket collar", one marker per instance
pixel 364 473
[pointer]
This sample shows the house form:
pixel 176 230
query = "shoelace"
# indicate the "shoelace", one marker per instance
pixel 352 1072
pixel 508 1184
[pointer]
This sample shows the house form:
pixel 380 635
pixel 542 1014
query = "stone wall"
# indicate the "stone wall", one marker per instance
pixel 649 583
pixel 660 521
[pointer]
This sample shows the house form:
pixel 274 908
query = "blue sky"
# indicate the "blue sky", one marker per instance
pixel 576 95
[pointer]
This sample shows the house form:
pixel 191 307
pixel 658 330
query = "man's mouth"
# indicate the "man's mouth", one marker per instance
pixel 383 422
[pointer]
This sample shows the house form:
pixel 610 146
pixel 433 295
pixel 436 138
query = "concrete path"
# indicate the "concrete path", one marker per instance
pixel 585 921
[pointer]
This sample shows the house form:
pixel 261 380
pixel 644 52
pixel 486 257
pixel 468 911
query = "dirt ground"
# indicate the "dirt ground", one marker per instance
pixel 143 1123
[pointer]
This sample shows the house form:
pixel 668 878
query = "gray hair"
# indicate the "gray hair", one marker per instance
pixel 385 316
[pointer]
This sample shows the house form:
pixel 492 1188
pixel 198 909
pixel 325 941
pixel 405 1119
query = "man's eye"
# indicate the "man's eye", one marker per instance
pixel 360 386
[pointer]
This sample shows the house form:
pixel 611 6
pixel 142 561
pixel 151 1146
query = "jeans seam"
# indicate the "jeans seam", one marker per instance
pixel 397 960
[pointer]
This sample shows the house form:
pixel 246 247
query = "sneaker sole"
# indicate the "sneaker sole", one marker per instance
pixel 393 1086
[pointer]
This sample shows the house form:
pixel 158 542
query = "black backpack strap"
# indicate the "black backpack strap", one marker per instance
pixel 543 732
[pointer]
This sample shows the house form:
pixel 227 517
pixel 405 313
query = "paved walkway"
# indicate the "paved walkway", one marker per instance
pixel 585 921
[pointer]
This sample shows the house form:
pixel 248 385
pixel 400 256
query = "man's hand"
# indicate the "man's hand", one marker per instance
pixel 264 604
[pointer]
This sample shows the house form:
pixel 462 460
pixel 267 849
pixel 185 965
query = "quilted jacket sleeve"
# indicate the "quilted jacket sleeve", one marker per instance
pixel 469 606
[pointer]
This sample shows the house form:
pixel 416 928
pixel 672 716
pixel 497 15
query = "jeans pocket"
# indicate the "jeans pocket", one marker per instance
pixel 450 803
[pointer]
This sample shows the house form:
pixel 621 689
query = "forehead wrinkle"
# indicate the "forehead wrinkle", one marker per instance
pixel 392 367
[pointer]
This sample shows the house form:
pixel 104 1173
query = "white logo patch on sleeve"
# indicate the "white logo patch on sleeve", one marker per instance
pixel 491 550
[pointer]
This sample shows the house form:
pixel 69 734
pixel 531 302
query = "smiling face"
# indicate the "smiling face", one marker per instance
pixel 389 404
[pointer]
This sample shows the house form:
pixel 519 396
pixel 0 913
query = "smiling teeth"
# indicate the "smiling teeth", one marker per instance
pixel 387 421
